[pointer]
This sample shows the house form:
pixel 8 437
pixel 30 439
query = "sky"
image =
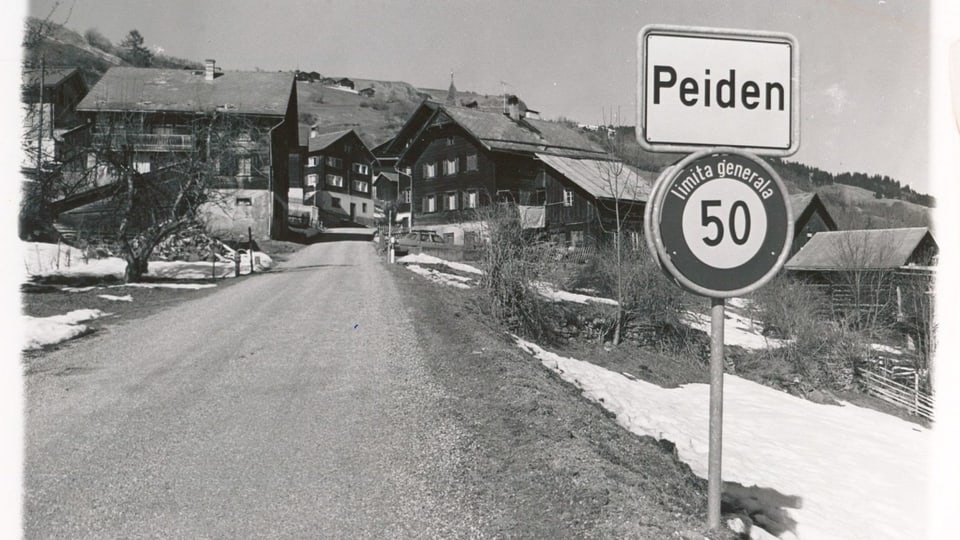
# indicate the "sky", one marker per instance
pixel 863 79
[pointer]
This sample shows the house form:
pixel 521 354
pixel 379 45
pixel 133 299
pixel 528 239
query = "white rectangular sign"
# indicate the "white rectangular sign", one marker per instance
pixel 707 87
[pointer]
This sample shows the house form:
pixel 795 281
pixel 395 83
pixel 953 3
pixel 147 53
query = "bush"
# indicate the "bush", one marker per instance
pixel 511 262
pixel 821 353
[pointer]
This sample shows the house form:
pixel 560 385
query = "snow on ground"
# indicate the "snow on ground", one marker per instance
pixel 113 298
pixel 422 258
pixel 737 330
pixel 41 331
pixel 52 259
pixel 166 285
pixel 854 473
pixel 440 277
pixel 547 290
pixel 885 349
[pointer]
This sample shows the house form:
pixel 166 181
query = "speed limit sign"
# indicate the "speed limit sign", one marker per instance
pixel 720 222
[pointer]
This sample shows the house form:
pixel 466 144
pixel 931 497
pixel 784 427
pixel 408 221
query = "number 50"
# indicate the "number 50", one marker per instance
pixel 706 219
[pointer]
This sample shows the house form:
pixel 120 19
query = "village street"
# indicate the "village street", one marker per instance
pixel 293 404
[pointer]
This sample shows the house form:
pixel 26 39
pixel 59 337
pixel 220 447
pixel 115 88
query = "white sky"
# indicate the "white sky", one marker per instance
pixel 863 63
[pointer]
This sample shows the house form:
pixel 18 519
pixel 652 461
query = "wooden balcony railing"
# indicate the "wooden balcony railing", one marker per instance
pixel 146 142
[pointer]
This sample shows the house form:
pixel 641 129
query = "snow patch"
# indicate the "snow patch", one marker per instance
pixel 737 330
pixel 885 349
pixel 440 277
pixel 550 292
pixel 422 258
pixel 42 331
pixel 113 298
pixel 848 471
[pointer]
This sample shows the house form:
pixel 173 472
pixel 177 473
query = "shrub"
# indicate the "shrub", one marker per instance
pixel 98 40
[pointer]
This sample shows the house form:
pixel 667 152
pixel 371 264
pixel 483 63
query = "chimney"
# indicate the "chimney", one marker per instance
pixel 209 68
pixel 513 108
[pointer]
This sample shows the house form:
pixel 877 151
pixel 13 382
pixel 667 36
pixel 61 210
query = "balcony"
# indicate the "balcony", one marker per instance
pixel 146 142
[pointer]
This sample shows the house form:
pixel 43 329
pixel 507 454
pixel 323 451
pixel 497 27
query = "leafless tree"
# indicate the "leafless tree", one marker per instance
pixel 864 280
pixel 149 206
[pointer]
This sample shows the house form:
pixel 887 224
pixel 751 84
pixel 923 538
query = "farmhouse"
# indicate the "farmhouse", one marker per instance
pixel 153 115
pixel 51 97
pixel 335 184
pixel 460 159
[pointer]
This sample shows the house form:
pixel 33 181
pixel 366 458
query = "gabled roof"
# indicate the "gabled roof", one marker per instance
pixel 185 90
pixel 872 249
pixel 51 76
pixel 801 202
pixel 498 132
pixel 596 176
pixel 389 176
pixel 323 140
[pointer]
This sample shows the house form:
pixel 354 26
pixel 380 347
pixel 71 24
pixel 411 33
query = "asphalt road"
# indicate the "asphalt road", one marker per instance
pixel 292 404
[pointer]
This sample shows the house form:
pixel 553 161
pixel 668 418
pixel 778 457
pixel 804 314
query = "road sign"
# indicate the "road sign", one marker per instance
pixel 709 87
pixel 720 223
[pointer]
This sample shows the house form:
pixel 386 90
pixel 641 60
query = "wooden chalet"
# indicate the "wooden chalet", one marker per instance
pixel 336 182
pixel 460 159
pixel 51 96
pixel 154 112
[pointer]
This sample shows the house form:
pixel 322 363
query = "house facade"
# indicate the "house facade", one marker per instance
pixel 50 96
pixel 462 159
pixel 154 115
pixel 336 182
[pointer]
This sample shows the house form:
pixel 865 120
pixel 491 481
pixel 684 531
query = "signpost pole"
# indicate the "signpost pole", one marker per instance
pixel 714 483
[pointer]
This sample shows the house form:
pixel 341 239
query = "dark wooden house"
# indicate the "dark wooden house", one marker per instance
pixel 154 113
pixel 462 158
pixel 336 182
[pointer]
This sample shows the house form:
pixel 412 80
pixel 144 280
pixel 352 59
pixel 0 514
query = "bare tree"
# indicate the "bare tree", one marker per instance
pixel 145 207
pixel 865 278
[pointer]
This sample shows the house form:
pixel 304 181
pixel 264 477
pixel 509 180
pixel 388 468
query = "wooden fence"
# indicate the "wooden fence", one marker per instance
pixel 880 383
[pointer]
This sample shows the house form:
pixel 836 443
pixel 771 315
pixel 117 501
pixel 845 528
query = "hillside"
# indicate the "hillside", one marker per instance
pixel 375 119
pixel 60 46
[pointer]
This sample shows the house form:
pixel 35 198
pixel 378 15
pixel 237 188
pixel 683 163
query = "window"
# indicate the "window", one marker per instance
pixel 347 148
pixel 539 197
pixel 405 196
pixel 504 196
pixel 362 187
pixel 335 180
pixel 568 197
pixel 449 167
pixel 312 180
pixel 471 200
pixel 360 168
pixel 335 202
pixel 407 170
pixel 450 201
pixel 142 166
pixel 364 208
pixel 313 161
pixel 244 201
pixel 472 163
pixel 430 170
pixel 243 166
pixel 334 162
pixel 430 204
pixel 450 141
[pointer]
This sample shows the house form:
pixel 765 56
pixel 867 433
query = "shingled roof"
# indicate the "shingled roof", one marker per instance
pixel 498 131
pixel 595 177
pixel 873 249
pixel 180 90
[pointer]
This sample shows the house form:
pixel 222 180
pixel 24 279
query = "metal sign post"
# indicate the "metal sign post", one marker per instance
pixel 718 222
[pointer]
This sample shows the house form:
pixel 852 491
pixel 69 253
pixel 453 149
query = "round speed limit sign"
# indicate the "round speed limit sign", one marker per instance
pixel 720 223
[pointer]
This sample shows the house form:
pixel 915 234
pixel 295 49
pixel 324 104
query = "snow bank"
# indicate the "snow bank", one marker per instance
pixel 422 258
pixel 737 330
pixel 850 472
pixel 42 331
pixel 62 260
pixel 548 291
pixel 459 282
pixel 113 298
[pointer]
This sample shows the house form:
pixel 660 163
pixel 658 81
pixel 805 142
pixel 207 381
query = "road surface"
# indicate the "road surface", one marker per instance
pixel 292 404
